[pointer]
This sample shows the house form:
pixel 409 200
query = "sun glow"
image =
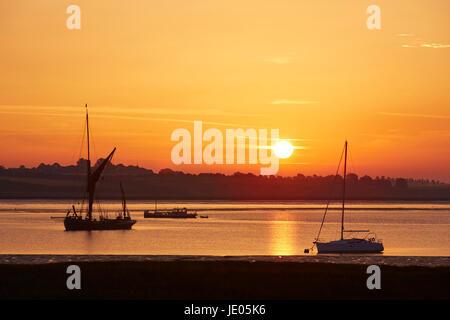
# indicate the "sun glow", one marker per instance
pixel 283 149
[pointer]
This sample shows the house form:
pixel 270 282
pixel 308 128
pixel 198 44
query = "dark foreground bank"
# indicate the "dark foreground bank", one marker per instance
pixel 221 280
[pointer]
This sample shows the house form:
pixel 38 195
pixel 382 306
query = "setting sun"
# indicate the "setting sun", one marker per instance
pixel 283 149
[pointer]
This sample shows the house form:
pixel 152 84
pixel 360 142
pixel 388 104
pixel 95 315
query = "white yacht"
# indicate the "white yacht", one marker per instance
pixel 366 244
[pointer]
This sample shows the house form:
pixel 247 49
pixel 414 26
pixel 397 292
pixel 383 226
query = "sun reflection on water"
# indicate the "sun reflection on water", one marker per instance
pixel 282 234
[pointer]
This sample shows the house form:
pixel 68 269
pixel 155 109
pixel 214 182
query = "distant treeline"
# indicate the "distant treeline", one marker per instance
pixel 64 182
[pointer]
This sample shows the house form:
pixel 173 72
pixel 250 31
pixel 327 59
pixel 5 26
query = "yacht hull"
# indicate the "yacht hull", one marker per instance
pixel 350 246
pixel 106 224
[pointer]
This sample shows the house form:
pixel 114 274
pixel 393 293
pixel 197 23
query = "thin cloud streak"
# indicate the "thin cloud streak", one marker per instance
pixel 294 139
pixel 294 102
pixel 125 118
pixel 173 120
pixel 435 45
pixel 415 115
pixel 279 60
pixel 296 163
pixel 420 43
pixel 126 110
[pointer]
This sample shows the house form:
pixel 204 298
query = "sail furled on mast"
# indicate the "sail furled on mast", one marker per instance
pixel 92 181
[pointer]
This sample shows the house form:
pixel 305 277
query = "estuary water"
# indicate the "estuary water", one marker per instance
pixel 235 228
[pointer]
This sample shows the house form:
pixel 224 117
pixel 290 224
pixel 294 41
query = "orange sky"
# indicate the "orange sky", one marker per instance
pixel 311 69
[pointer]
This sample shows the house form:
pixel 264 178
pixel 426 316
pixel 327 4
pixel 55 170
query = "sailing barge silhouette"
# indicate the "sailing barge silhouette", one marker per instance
pixel 74 220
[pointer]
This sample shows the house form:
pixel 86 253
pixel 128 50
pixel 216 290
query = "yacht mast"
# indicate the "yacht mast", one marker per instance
pixel 343 192
pixel 89 213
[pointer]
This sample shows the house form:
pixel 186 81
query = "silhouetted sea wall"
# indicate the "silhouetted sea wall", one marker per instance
pixel 220 279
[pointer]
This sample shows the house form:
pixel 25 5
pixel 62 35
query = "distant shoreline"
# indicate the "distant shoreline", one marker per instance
pixel 69 182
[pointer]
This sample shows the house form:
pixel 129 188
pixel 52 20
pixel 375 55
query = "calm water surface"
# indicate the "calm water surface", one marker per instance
pixel 233 228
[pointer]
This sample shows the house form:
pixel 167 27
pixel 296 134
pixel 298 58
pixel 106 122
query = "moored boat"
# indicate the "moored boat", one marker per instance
pixel 74 220
pixel 367 244
pixel 176 213
pixel 353 245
